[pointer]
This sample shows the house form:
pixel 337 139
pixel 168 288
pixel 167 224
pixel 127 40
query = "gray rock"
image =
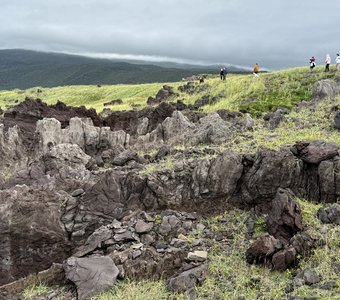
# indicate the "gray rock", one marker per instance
pixel 197 256
pixel 147 239
pixel 187 280
pixel 284 220
pixel 310 277
pixel 77 192
pixel 313 152
pixel 143 227
pixel 124 237
pixel 94 240
pixel 124 157
pixel 91 275
pixel 262 249
pixel 330 214
pixel 325 89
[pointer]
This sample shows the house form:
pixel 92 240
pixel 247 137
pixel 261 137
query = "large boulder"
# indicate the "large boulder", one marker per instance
pixel 91 275
pixel 284 220
pixel 218 177
pixel 313 152
pixel 188 279
pixel 270 170
pixel 330 214
pixel 325 89
pixel 262 250
pixel 211 129
pixel 32 235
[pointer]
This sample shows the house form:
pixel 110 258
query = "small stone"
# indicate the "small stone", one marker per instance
pixel 200 227
pixel 77 193
pixel 136 253
pixel 197 256
pixel 121 274
pixel 109 242
pixel 116 224
pixel 187 225
pixel 147 239
pixel 143 227
pixel 137 246
pixel 310 277
pixel 298 282
pixel 196 242
pixel 147 217
pixel 182 237
pixel 124 237
pixel 218 236
pixel 178 243
pixel 161 245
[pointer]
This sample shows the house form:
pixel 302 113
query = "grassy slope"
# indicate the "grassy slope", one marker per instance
pixel 277 89
pixel 229 275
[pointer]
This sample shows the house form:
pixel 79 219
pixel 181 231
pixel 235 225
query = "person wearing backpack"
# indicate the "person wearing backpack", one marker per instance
pixel 222 74
pixel 337 62
pixel 256 70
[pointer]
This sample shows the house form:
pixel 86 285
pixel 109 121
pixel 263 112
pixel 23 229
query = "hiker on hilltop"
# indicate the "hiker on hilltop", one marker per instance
pixel 337 62
pixel 222 74
pixel 256 70
pixel 312 63
pixel 328 62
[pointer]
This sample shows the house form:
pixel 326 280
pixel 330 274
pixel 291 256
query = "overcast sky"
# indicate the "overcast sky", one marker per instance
pixel 275 33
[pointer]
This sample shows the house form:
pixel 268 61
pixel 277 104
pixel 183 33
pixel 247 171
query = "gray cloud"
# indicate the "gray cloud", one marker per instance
pixel 277 34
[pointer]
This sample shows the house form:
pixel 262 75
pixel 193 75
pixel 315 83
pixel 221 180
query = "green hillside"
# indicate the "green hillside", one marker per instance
pixel 270 90
pixel 23 69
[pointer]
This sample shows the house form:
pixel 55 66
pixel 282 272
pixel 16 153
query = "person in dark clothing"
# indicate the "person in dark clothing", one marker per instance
pixel 312 63
pixel 222 75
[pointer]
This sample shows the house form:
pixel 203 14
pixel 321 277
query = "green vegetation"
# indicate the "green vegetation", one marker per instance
pixel 231 277
pixel 143 290
pixel 305 124
pixel 36 290
pixel 271 90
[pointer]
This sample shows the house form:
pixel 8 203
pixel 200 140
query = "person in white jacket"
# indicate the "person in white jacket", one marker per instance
pixel 337 62
pixel 328 62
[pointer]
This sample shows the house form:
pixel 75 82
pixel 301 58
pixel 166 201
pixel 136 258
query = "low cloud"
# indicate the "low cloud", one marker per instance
pixel 276 34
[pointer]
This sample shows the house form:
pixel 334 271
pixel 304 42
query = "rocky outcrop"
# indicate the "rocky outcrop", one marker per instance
pixel 93 185
pixel 187 280
pixel 32 235
pixel 314 152
pixel 285 240
pixel 330 214
pixel 284 220
pixel 325 89
pixel 164 94
pixel 91 275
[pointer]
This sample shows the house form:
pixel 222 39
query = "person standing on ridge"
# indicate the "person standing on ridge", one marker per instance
pixel 256 70
pixel 222 74
pixel 328 62
pixel 312 63
pixel 337 62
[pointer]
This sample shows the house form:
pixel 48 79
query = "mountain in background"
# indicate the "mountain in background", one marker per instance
pixel 25 68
